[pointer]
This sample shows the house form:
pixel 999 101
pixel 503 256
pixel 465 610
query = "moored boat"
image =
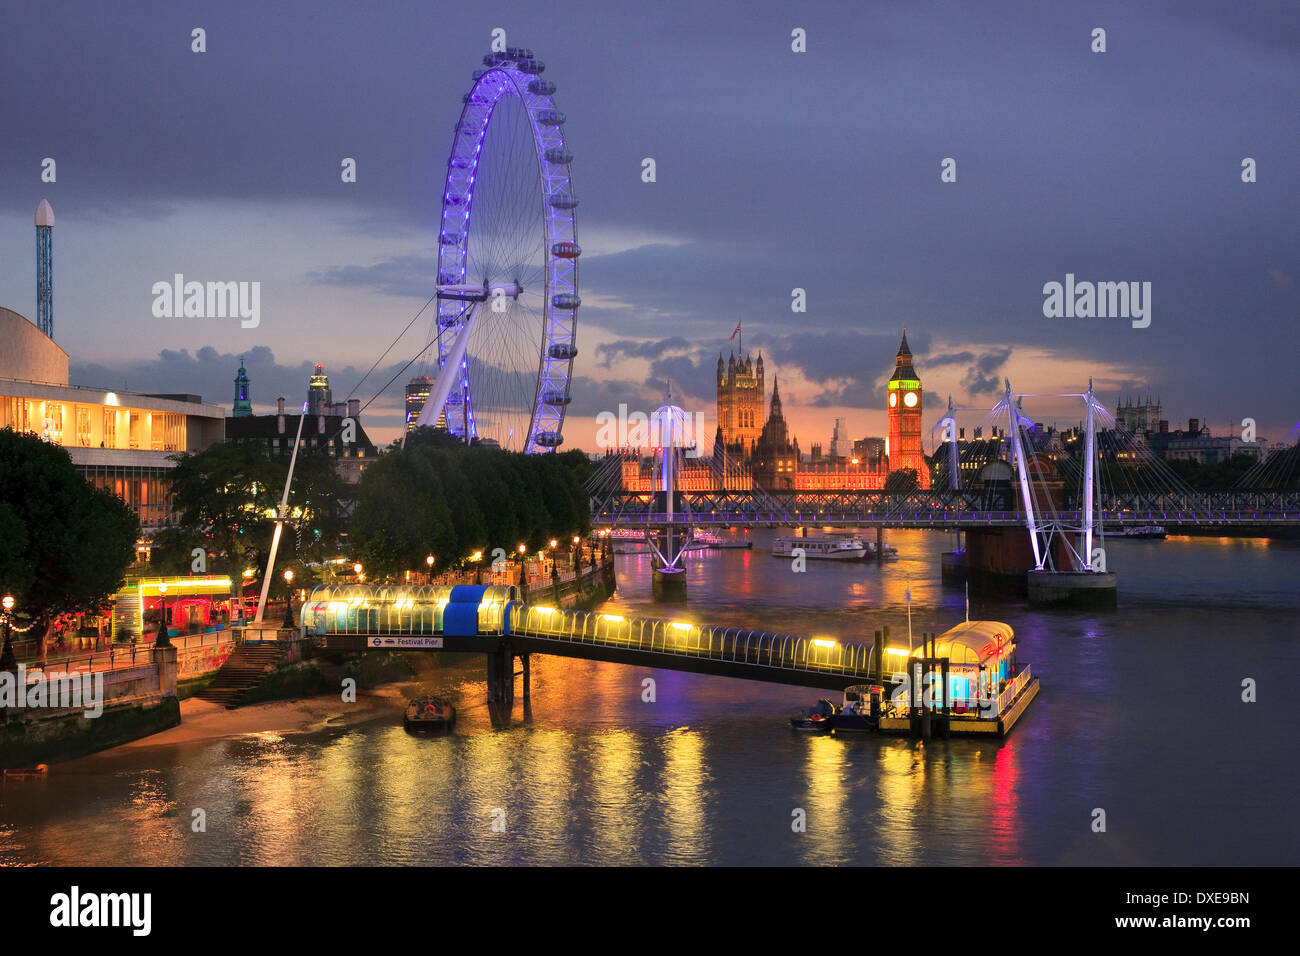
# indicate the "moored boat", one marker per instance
pixel 1145 531
pixel 429 713
pixel 845 548
pixel 856 715
pixel 816 719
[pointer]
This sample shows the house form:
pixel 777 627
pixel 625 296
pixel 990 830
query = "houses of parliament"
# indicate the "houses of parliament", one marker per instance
pixel 763 442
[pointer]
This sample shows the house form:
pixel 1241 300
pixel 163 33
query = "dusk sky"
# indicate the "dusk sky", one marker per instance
pixel 776 170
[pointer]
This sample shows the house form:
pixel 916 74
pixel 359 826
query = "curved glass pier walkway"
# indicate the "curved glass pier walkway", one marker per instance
pixel 492 619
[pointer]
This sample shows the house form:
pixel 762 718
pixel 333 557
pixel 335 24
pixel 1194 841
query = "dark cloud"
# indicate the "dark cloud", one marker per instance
pixel 412 276
pixel 775 170
pixel 982 378
pixel 627 348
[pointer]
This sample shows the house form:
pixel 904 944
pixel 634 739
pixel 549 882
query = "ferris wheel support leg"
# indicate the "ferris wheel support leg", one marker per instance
pixel 438 398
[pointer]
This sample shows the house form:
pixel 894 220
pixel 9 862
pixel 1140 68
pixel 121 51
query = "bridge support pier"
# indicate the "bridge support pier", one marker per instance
pixel 501 676
pixel 669 585
pixel 1072 588
pixel 668 578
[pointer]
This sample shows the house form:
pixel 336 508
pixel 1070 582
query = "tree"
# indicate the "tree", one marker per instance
pixel 439 496
pixel 226 499
pixel 401 515
pixel 65 545
pixel 902 480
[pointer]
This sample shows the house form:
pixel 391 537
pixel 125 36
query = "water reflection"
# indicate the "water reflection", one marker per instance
pixel 711 771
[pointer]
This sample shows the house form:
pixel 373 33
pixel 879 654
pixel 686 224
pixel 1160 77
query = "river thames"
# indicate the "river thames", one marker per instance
pixel 1140 714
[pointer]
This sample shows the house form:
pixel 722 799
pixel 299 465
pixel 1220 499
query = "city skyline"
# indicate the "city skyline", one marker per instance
pixel 345 266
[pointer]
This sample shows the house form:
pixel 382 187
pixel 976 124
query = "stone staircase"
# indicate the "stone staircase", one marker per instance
pixel 241 672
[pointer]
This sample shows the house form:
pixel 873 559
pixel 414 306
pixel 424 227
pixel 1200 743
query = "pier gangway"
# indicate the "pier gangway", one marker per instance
pixel 489 620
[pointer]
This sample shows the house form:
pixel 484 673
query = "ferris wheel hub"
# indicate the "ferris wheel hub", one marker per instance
pixel 469 292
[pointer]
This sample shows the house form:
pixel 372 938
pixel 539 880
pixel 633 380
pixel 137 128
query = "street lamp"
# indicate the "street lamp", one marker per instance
pixel 163 640
pixel 7 660
pixel 288 597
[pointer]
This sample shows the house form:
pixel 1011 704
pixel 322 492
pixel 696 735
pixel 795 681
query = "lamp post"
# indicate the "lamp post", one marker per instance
pixel 429 561
pixel 288 597
pixel 7 660
pixel 163 640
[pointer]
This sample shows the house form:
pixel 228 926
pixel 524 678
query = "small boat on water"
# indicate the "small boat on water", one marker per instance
pixel 839 548
pixel 817 719
pixel 1145 531
pixel 716 542
pixel 40 770
pixel 429 713
pixel 855 715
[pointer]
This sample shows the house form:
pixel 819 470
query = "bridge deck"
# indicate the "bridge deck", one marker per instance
pixel 643 642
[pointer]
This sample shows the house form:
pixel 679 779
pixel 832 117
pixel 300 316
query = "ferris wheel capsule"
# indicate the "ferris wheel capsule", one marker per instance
pixel 566 300
pixel 550 117
pixel 566 250
pixel 541 88
pixel 558 155
pixel 563 200
pixel 563 351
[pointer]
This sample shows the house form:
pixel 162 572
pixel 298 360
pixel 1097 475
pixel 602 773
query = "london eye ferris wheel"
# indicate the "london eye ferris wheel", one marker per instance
pixel 507 284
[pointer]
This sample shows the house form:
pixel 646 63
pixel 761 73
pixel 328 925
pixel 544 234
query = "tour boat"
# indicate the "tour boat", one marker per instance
pixel 816 719
pixel 1145 531
pixel 828 549
pixel 429 713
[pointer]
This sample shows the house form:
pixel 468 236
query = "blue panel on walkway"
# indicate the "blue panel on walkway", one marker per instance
pixel 463 593
pixel 460 620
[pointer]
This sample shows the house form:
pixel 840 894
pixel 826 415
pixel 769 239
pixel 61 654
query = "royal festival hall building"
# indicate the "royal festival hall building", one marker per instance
pixel 117 440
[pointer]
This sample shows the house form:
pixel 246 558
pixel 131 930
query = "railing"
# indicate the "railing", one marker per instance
pixel 732 645
pixel 1008 696
pixel 1208 517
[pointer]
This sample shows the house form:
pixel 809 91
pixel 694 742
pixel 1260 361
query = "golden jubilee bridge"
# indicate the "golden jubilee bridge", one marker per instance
pixel 1067 496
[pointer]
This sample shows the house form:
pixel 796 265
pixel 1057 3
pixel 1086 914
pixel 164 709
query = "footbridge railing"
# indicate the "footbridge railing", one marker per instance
pixel 678 638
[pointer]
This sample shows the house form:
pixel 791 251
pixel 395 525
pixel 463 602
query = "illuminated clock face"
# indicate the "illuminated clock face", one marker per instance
pixel 910 399
pixel 893 399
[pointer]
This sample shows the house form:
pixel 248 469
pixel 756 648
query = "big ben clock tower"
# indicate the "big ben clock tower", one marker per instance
pixel 905 417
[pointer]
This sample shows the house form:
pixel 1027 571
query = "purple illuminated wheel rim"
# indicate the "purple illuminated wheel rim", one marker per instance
pixel 508 216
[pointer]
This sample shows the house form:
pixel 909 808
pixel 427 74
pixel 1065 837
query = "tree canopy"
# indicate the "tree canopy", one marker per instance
pixel 442 498
pixel 226 499
pixel 64 545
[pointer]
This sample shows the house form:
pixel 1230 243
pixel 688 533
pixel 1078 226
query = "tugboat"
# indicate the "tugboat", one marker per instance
pixel 817 719
pixel 429 713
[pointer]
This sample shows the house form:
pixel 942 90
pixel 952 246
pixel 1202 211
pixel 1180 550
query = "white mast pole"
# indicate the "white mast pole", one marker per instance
pixel 279 524
pixel 1090 450
pixel 1017 452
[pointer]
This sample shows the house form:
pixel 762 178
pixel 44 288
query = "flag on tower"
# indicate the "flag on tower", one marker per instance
pixel 735 333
